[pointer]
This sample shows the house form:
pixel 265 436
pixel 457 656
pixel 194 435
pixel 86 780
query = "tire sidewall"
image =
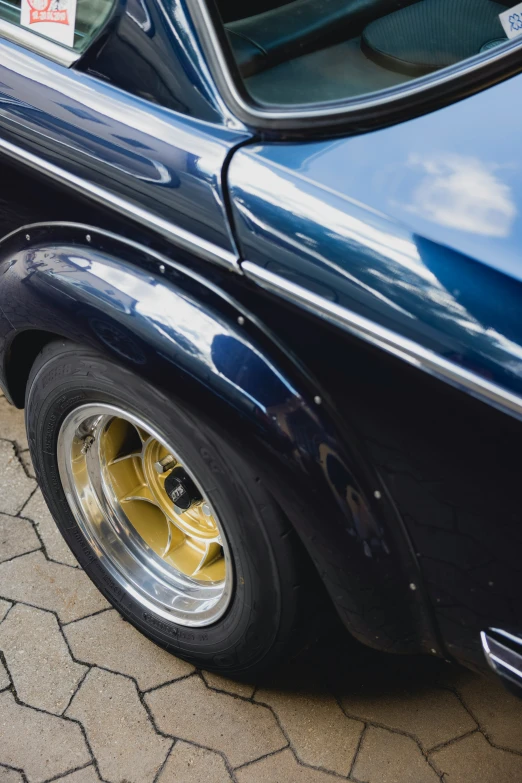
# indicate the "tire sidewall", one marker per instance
pixel 66 378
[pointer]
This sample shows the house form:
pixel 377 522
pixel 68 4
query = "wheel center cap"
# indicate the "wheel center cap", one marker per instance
pixel 181 490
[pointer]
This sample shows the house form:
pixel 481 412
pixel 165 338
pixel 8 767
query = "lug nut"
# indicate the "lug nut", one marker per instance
pixel 164 464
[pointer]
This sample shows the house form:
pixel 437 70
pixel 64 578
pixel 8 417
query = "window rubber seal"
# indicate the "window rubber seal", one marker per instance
pixel 356 115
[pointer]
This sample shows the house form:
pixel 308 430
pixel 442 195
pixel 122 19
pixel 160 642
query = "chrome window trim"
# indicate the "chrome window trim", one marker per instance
pixel 387 340
pixel 179 236
pixel 272 117
pixel 38 43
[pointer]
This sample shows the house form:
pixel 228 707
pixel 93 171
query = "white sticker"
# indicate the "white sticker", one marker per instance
pixel 53 18
pixel 511 21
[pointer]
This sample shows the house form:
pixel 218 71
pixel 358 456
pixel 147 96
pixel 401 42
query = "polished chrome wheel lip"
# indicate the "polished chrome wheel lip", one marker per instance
pixel 134 568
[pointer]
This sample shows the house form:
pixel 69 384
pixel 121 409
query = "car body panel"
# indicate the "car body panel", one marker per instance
pixel 448 463
pixel 148 51
pixel 347 220
pixel 407 507
pixel 180 333
pixel 339 219
pixel 148 159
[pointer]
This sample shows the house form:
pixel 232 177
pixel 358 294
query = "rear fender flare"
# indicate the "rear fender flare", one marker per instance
pixel 189 338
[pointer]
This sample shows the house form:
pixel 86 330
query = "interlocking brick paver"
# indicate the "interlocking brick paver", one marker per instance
pixel 433 716
pixel 473 759
pixel 10 776
pixel 189 710
pixel 320 733
pixel 4 677
pixel 222 684
pixel 85 775
pixel 12 425
pixel 16 537
pixel 25 459
pixel 42 745
pixel 123 740
pixel 189 764
pixel 386 757
pixel 282 768
pixel 15 487
pixel 497 711
pixel 409 695
pixel 43 672
pixel 34 580
pixel 55 546
pixel 4 608
pixel 108 641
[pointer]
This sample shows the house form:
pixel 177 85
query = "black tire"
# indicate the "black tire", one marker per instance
pixel 262 622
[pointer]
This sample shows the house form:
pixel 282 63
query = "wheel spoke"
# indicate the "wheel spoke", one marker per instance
pixel 212 554
pixel 199 559
pixel 144 435
pixel 126 476
pixel 140 492
pixel 133 455
pixel 120 438
pixel 150 523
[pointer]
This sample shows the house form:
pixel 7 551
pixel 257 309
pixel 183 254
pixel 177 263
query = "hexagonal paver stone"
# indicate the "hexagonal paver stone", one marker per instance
pixel 43 672
pixel 15 487
pixel 189 710
pixel 229 686
pixel 5 682
pixel 4 608
pixel 498 712
pixel 42 745
pixel 120 733
pixel 189 764
pixel 12 424
pixel 319 732
pixel 385 757
pixel 10 776
pixel 85 775
pixel 281 768
pixel 34 580
pixel 55 546
pixel 473 759
pixel 16 537
pixel 108 641
pixel 432 716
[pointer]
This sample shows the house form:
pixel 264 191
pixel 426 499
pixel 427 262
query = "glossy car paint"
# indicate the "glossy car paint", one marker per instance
pixel 154 159
pixel 393 225
pixel 181 335
pixel 449 464
pixel 366 477
pixel 415 227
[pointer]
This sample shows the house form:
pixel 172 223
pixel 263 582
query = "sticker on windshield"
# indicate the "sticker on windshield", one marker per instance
pixel 52 18
pixel 511 21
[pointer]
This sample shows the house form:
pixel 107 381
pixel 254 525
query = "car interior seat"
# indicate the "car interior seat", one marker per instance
pixel 432 34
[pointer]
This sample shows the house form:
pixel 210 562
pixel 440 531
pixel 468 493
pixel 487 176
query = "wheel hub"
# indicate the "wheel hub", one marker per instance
pixel 145 513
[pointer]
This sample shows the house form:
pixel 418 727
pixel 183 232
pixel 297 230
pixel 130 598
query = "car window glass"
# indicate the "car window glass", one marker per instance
pixel 73 23
pixel 307 51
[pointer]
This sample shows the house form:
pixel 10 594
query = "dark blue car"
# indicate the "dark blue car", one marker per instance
pixel 260 296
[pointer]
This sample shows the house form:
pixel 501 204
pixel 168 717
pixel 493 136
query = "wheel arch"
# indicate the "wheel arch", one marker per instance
pixel 180 331
pixel 19 359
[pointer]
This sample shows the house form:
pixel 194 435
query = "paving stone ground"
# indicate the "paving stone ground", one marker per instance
pixel 85 698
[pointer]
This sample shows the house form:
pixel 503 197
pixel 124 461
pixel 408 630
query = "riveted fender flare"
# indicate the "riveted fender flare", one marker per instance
pixel 183 334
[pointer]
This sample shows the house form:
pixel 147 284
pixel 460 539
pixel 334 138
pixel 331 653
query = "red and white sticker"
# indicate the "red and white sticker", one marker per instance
pixel 53 18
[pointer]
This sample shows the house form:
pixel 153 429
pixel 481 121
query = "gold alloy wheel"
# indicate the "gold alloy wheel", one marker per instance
pixel 137 466
pixel 145 514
